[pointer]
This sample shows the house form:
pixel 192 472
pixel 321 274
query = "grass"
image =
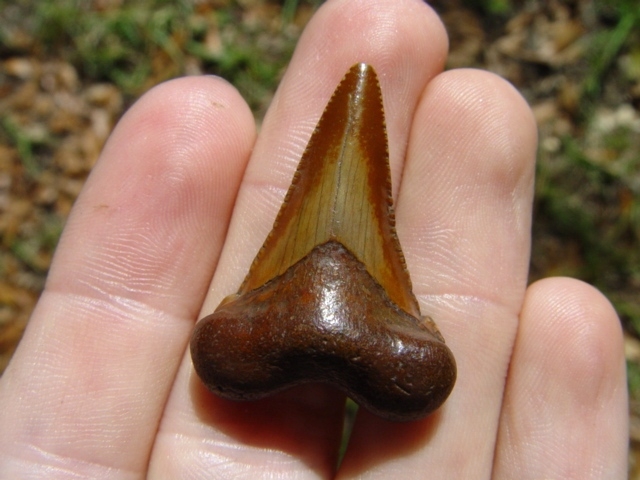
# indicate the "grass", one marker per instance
pixel 606 45
pixel 588 191
pixel 119 45
pixel 142 43
pixel 12 134
pixel 572 208
pixel 594 204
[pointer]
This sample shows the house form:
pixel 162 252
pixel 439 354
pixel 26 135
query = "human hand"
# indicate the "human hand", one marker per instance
pixel 102 385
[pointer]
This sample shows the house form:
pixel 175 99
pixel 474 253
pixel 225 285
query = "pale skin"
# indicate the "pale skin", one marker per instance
pixel 184 193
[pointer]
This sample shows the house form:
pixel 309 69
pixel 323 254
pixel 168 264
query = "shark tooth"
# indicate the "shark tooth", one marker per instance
pixel 328 297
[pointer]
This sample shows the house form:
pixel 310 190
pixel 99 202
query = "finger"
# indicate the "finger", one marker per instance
pixel 406 44
pixel 86 389
pixel 565 411
pixel 463 216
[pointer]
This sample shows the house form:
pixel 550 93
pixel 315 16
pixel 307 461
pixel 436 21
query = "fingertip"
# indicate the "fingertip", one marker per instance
pixel 566 386
pixel 165 183
pixel 403 40
pixel 578 328
pixel 394 36
pixel 467 188
pixel 182 115
pixel 487 121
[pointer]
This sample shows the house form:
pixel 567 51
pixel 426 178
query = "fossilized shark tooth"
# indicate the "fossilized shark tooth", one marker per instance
pixel 328 297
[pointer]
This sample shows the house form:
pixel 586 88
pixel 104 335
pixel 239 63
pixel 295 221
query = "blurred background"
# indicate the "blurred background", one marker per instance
pixel 70 68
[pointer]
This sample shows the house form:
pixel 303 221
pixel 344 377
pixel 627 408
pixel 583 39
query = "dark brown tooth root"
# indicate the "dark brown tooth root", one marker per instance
pixel 328 297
